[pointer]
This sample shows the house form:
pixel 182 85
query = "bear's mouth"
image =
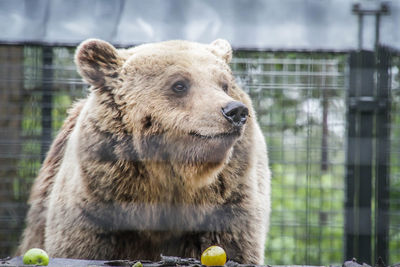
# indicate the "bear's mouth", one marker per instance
pixel 234 133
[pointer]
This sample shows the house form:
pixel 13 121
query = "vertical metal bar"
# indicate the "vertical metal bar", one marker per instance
pixel 46 103
pixel 360 117
pixel 364 185
pixel 325 131
pixel 350 159
pixel 377 26
pixel 365 152
pixel 360 31
pixel 382 156
pixel 308 166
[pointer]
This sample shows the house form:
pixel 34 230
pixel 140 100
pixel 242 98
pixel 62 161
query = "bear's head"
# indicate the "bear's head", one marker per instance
pixel 177 100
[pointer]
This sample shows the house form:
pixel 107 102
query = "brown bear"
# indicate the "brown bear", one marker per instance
pixel 164 156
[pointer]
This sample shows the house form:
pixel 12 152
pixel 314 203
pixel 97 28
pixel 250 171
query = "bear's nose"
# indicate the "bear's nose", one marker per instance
pixel 236 113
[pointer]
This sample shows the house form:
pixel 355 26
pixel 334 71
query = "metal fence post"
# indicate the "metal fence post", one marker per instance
pixel 47 95
pixel 350 160
pixel 382 155
pixel 359 156
pixel 367 161
pixel 365 155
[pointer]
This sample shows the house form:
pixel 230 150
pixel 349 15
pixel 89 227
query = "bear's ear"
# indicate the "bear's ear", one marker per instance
pixel 222 48
pixel 97 61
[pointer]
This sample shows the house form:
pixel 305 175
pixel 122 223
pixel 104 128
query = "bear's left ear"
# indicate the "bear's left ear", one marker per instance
pixel 222 48
pixel 97 62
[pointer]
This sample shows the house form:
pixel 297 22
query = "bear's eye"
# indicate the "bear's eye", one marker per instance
pixel 179 87
pixel 225 87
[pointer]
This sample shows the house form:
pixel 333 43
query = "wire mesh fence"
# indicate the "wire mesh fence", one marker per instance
pixel 300 102
pixel 394 190
pixel 25 109
pixel 300 99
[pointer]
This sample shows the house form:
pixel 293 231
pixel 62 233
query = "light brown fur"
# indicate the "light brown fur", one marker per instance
pixel 139 170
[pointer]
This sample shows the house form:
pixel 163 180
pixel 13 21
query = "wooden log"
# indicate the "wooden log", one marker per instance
pixel 167 261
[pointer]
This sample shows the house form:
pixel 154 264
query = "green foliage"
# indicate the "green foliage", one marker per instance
pixel 306 219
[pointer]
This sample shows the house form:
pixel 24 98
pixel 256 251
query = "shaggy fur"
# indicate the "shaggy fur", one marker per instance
pixel 148 164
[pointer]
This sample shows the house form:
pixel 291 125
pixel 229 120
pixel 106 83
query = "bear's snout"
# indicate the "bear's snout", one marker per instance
pixel 236 113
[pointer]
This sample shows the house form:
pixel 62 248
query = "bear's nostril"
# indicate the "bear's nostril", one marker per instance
pixel 236 113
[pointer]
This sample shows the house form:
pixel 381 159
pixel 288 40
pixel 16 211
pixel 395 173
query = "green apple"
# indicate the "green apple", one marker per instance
pixel 138 264
pixel 36 256
pixel 213 256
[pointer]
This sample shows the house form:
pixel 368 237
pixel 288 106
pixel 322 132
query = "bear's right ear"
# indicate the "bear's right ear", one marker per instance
pixel 97 61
